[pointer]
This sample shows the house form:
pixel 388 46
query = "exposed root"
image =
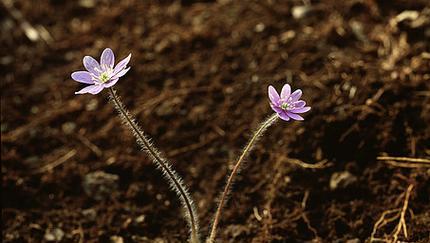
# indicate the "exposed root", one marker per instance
pixel 305 217
pixel 267 219
pixel 392 215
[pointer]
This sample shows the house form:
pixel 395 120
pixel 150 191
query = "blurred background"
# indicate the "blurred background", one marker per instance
pixel 356 170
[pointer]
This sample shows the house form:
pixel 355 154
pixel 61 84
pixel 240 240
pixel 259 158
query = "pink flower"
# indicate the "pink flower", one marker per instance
pixel 103 75
pixel 287 105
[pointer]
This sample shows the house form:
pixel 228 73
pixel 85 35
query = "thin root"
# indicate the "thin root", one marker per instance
pixel 389 216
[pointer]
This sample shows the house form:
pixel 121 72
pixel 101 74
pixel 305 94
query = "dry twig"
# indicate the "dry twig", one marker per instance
pixel 405 159
pixel 51 165
pixel 320 165
pixel 405 162
pixel 94 148
pixel 193 146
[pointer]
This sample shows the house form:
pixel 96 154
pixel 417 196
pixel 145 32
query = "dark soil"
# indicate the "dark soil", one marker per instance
pixel 198 84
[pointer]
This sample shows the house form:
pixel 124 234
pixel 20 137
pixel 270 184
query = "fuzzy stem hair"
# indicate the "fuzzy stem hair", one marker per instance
pixel 174 180
pixel 224 196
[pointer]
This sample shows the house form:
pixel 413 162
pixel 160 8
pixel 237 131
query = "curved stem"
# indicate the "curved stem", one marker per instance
pixel 174 180
pixel 267 123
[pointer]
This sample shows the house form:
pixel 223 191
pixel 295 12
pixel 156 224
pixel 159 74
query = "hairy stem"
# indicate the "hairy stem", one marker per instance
pixel 174 180
pixel 258 133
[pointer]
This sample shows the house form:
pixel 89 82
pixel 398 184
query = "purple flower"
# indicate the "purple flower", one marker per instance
pixel 287 105
pixel 103 75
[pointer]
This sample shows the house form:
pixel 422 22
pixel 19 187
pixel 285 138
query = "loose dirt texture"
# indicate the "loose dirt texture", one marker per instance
pixel 198 87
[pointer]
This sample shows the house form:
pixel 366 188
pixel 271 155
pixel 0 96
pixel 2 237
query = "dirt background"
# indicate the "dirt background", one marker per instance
pixel 198 84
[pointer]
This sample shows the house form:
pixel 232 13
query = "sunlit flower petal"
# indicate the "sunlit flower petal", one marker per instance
pixel 286 91
pixel 82 77
pixel 92 89
pixel 273 95
pixel 107 58
pixel 92 65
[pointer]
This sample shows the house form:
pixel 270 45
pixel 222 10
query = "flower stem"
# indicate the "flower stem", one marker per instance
pixel 258 133
pixel 173 178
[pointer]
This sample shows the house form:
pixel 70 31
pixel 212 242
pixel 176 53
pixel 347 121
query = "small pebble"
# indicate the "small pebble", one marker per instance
pixel 259 27
pixel 299 12
pixel 140 219
pixel 116 239
pixel 100 185
pixel 55 234
pixel 68 127
pixel 355 240
pixel 341 180
pixel 90 214
pixel 92 105
pixel 87 3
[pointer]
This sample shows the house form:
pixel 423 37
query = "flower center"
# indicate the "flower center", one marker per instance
pixel 104 77
pixel 285 106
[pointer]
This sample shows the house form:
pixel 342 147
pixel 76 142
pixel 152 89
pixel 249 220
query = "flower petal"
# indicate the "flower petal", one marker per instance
pixel 286 91
pixel 107 58
pixel 299 104
pixel 92 65
pixel 273 95
pixel 276 108
pixel 92 89
pixel 121 73
pixel 295 96
pixel 284 116
pixel 122 64
pixel 110 83
pixel 294 116
pixel 82 77
pixel 301 110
